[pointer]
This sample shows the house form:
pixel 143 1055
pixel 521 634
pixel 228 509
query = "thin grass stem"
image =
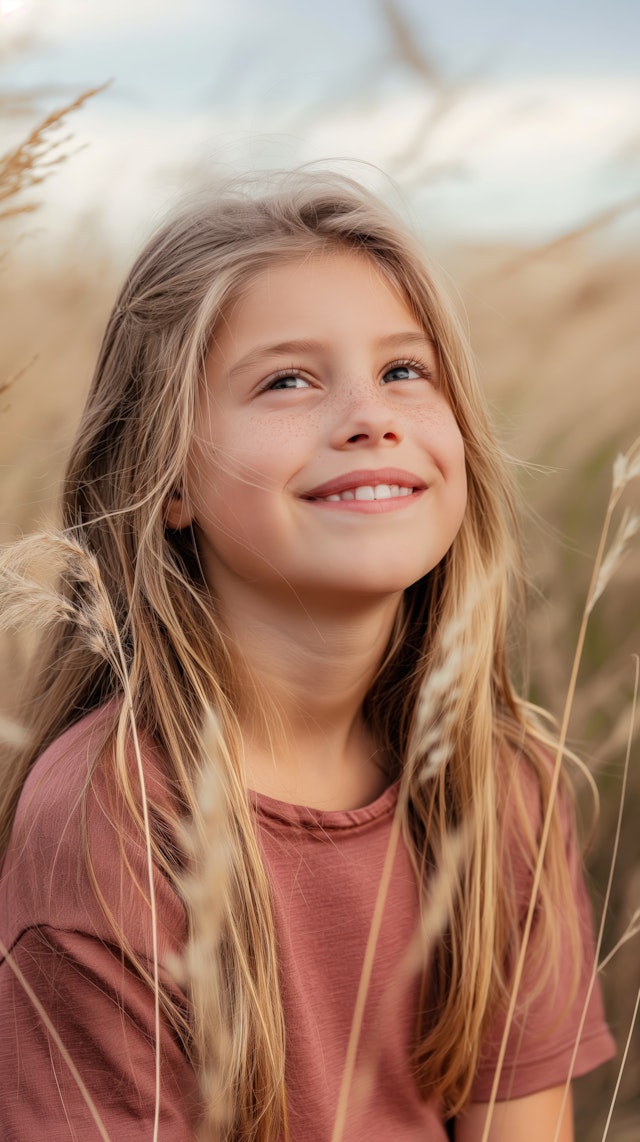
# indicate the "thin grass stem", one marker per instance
pixel 152 893
pixel 622 1066
pixel 546 828
pixel 28 990
pixel 367 967
pixel 631 931
pixel 607 897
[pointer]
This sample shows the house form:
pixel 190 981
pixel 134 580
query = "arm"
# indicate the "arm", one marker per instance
pixel 527 1119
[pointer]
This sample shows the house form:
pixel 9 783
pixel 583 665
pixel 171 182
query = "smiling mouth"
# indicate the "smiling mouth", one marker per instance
pixel 366 492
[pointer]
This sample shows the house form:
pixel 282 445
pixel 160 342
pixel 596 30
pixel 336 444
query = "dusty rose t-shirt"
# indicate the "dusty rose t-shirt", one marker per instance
pixel 324 869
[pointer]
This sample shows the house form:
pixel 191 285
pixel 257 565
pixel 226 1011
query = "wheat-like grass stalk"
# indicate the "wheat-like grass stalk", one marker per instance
pixel 35 158
pixel 205 892
pixel 25 599
pixel 627 528
pixel 626 468
pixel 28 601
pixel 436 706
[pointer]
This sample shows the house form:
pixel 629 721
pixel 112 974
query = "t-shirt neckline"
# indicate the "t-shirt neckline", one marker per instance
pixel 325 819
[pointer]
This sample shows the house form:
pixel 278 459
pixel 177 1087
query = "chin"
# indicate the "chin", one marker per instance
pixel 353 592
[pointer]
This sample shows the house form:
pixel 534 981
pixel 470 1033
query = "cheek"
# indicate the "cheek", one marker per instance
pixel 231 484
pixel 443 439
pixel 452 442
pixel 449 454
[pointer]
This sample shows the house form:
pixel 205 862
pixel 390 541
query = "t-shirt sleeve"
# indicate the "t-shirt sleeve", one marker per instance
pixel 549 1020
pixel 104 1016
pixel 54 921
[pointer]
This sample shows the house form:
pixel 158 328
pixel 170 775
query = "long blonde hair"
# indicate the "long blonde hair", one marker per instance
pixel 130 455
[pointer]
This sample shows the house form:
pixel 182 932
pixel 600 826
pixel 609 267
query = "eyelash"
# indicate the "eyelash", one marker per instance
pixel 411 363
pixel 292 371
pixel 402 363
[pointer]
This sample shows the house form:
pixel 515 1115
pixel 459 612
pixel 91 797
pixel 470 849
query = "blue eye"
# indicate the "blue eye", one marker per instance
pixel 287 381
pixel 407 371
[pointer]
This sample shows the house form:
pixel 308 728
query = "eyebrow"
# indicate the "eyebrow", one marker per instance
pixel 262 352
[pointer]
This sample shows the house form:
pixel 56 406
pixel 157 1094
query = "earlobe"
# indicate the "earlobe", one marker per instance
pixel 177 512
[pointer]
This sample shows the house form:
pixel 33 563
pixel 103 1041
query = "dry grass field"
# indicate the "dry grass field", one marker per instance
pixel 557 339
pixel 558 346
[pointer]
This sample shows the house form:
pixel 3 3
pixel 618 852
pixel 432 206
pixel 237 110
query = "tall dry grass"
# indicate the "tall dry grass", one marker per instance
pixel 558 348
pixel 32 446
pixel 559 351
pixel 558 344
pixel 36 157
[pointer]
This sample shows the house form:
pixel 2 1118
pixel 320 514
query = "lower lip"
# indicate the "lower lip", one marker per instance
pixel 369 507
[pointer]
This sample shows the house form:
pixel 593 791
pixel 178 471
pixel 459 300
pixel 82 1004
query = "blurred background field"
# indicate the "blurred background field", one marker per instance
pixel 535 231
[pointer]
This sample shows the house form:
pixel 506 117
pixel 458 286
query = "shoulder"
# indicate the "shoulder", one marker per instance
pixel 539 842
pixel 76 861
pixel 532 786
pixel 50 800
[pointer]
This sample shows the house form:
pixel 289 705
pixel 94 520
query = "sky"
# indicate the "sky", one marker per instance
pixel 501 119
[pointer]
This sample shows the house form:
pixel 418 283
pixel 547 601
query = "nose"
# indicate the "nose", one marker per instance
pixel 367 419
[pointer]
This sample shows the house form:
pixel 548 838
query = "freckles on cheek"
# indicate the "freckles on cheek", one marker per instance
pixel 442 436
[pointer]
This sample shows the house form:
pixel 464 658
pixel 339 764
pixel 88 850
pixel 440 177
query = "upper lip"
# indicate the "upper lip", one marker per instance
pixel 365 477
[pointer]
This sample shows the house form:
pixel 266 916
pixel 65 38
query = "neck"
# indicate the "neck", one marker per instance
pixel 306 675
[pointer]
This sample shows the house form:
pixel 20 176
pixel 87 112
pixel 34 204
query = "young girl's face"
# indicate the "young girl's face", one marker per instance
pixel 328 464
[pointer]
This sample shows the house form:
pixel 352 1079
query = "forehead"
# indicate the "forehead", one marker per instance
pixel 334 288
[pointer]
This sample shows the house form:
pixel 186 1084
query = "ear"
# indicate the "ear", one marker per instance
pixel 177 512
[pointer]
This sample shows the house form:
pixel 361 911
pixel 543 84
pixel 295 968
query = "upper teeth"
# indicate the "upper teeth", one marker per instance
pixel 371 492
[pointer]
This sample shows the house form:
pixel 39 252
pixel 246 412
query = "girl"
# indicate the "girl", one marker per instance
pixel 285 503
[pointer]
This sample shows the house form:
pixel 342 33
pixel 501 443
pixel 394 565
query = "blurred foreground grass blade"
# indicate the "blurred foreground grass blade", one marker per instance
pixel 625 1054
pixel 599 221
